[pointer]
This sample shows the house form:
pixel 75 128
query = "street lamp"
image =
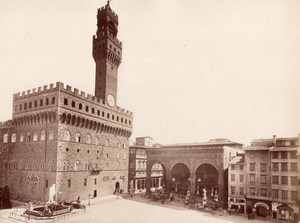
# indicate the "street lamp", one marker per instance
pixel 198 186
pixel 174 180
pixel 89 199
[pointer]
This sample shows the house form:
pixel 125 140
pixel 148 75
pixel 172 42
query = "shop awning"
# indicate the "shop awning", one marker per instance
pixel 284 207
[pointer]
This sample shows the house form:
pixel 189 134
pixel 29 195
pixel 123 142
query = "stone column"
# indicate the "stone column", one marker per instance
pixel 148 179
pixel 193 185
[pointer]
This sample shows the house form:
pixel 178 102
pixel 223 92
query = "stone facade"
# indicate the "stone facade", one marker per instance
pixel 272 178
pixel 62 144
pixel 138 166
pixel 215 154
pixel 237 184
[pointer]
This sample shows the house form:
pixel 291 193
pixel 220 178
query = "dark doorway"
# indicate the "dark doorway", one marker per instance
pixel 261 211
pixel 207 177
pixel 95 193
pixel 180 178
pixel 117 186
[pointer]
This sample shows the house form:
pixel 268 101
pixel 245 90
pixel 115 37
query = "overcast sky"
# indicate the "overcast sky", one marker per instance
pixel 191 70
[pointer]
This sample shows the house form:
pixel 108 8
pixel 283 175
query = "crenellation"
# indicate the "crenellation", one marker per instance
pixel 82 93
pixel 6 123
pixel 17 95
pixel 76 91
pixel 59 85
pixel 38 90
pixel 69 88
pixel 89 97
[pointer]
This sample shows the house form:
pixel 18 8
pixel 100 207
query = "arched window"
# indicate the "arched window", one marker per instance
pixel 73 104
pixel 86 108
pixel 77 137
pixel 76 165
pixel 98 112
pixel 107 115
pixel 20 165
pixel 124 145
pixel 43 135
pixel 80 106
pixel 51 135
pixel 88 139
pixel 69 182
pixel 35 136
pixel 65 101
pixel 47 101
pixel 84 182
pixel 65 165
pixel 49 166
pixel 106 142
pixel 93 110
pixel 5 138
pixel 53 100
pixel 30 104
pixel 97 141
pixel 41 102
pixel 87 166
pixel 20 107
pixel 67 136
pixel 28 137
pixel 21 137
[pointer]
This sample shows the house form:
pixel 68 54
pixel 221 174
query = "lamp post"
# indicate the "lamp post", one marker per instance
pixel 174 180
pixel 198 185
pixel 89 199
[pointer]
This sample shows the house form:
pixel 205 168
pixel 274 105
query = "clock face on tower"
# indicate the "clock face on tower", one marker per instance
pixel 111 100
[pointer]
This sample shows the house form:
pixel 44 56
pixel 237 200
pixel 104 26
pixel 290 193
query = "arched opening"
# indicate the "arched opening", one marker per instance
pixel 117 187
pixel 206 177
pixel 180 177
pixel 158 177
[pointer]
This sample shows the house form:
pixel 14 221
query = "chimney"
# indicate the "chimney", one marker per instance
pixel 274 140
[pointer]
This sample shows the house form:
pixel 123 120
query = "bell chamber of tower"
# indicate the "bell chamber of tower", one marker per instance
pixel 107 53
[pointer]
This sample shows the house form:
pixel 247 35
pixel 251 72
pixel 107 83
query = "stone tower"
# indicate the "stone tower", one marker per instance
pixel 107 53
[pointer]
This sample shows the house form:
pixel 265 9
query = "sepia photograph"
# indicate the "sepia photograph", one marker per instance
pixel 140 111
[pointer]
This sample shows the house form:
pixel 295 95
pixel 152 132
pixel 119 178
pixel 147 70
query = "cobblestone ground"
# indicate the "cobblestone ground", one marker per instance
pixel 109 209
